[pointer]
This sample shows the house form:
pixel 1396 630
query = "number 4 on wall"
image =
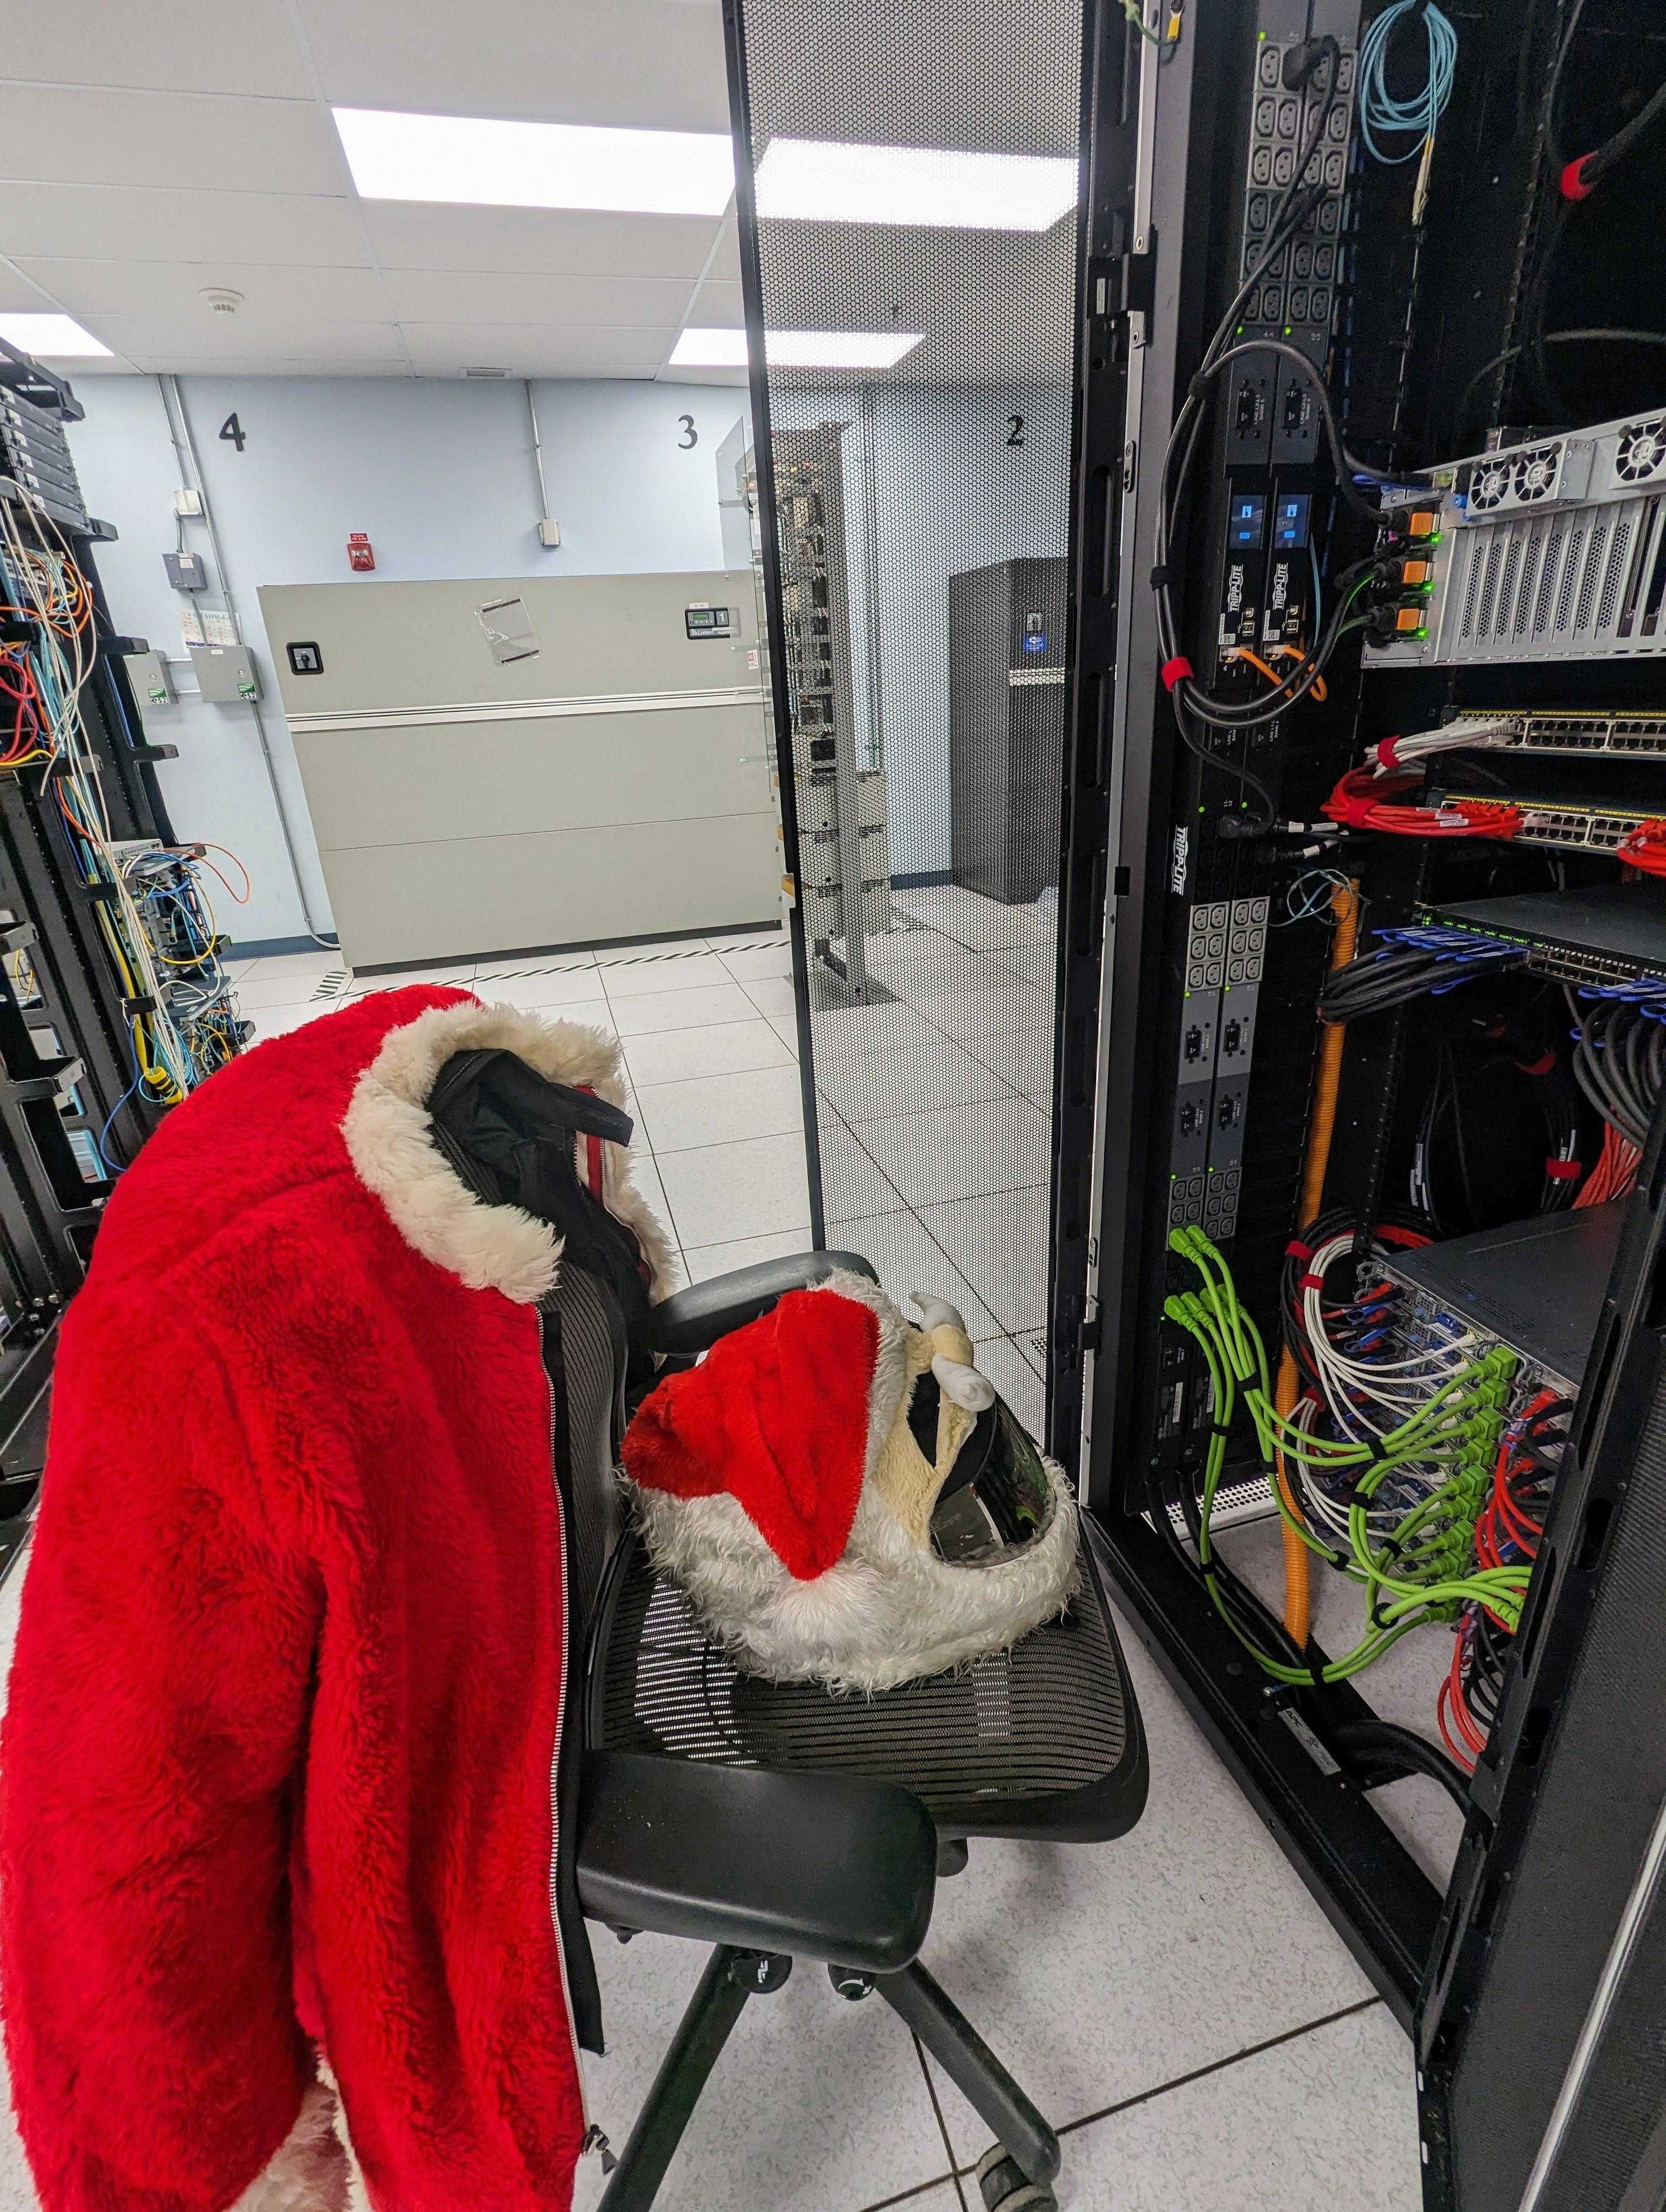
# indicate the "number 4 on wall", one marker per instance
pixel 234 430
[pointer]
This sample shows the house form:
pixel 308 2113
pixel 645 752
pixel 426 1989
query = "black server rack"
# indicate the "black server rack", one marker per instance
pixel 1363 451
pixel 1006 674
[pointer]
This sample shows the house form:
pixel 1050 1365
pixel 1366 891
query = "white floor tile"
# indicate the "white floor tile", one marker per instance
pixel 715 1110
pixel 1000 1242
pixel 903 1079
pixel 999 1358
pixel 959 1151
pixel 1325 2120
pixel 853 1184
pixel 680 971
pixel 907 1258
pixel 723 1192
pixel 1036 963
pixel 705 1261
pixel 787 1028
pixel 258 989
pixel 850 1032
pixel 816 2104
pixel 1101 1971
pixel 757 963
pixel 1001 1008
pixel 459 973
pixel 720 1048
pixel 557 987
pixel 1022 1058
pixel 643 1015
pixel 309 964
pixel 772 994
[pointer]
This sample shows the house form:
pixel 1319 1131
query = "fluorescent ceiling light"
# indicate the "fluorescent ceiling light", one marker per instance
pixel 698 349
pixel 478 162
pixel 819 181
pixel 56 337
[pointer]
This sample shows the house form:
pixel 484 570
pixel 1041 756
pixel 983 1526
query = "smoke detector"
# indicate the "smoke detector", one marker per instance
pixel 222 300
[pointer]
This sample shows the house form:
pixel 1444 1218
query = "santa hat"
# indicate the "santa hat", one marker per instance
pixel 783 1486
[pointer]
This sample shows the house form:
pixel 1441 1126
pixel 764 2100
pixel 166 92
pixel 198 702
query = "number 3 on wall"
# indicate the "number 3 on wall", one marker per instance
pixel 233 430
pixel 691 437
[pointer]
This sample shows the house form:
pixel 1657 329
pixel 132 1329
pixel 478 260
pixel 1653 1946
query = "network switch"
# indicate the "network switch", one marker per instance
pixel 1610 933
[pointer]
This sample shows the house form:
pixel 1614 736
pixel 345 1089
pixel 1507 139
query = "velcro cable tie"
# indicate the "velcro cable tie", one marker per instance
pixel 1295 1249
pixel 1541 1067
pixel 1219 1429
pixel 1565 1170
pixel 1176 671
pixel 1386 755
pixel 1311 1282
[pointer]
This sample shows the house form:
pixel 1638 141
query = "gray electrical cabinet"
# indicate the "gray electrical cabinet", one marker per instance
pixel 515 764
pixel 1007 702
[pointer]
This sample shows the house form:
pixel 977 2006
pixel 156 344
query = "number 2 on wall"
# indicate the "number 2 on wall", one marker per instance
pixel 233 430
pixel 1015 429
pixel 691 437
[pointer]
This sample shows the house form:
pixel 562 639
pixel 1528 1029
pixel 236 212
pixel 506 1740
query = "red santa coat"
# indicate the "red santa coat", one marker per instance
pixel 284 1713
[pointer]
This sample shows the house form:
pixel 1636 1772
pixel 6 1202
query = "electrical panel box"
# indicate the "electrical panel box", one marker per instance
pixel 225 673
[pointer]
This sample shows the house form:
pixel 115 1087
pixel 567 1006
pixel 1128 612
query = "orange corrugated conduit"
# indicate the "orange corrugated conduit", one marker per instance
pixel 1345 909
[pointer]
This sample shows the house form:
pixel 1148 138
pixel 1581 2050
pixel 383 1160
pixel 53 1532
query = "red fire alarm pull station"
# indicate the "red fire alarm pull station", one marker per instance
pixel 361 553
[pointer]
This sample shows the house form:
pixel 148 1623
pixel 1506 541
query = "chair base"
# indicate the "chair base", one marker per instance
pixel 1028 2148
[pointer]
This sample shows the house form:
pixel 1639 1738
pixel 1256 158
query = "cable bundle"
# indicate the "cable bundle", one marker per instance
pixel 1416 962
pixel 1423 1568
pixel 1380 112
pixel 1645 848
pixel 1450 737
pixel 1367 799
pixel 175 1036
pixel 1509 1531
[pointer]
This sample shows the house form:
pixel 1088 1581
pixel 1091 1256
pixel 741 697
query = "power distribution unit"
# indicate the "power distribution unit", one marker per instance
pixel 1006 711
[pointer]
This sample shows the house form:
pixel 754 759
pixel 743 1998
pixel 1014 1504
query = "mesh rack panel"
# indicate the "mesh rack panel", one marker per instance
pixel 922 521
pixel 987 1747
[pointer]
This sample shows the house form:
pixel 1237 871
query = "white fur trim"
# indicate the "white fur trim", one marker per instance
pixel 388 1134
pixel 308 2172
pixel 889 1611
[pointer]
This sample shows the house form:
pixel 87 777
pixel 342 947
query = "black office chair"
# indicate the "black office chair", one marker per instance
pixel 771 1820
pixel 776 1820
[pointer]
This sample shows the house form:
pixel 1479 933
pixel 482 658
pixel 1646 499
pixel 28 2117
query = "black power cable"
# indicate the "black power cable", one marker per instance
pixel 1384 1747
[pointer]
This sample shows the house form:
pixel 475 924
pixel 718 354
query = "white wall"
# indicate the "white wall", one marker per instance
pixel 440 476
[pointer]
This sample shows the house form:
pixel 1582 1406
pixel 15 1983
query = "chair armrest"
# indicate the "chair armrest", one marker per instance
pixel 691 1321
pixel 837 1867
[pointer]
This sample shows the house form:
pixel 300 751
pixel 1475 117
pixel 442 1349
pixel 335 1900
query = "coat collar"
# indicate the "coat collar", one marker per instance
pixel 389 1137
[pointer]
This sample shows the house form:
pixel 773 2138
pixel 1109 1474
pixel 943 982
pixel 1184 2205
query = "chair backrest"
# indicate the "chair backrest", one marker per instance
pixel 512 1134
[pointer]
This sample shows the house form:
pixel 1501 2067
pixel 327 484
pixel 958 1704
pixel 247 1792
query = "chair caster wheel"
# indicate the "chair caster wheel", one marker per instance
pixel 849 1983
pixel 1005 2187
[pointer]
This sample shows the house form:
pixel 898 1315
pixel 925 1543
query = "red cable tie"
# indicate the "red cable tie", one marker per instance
pixel 1539 1067
pixel 1173 671
pixel 1565 1170
pixel 1310 1282
pixel 1386 753
pixel 1571 185
pixel 1295 1249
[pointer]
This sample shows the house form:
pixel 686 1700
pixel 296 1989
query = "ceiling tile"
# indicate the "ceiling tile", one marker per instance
pixel 727 263
pixel 635 62
pixel 161 341
pixel 155 288
pixel 719 307
pixel 302 364
pixel 540 241
pixel 537 349
pixel 57 135
pixel 131 223
pixel 179 45
pixel 471 295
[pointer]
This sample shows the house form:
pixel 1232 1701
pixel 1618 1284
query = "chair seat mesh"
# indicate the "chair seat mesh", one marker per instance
pixel 1004 1744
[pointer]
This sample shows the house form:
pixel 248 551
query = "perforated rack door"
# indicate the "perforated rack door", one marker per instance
pixel 916 524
